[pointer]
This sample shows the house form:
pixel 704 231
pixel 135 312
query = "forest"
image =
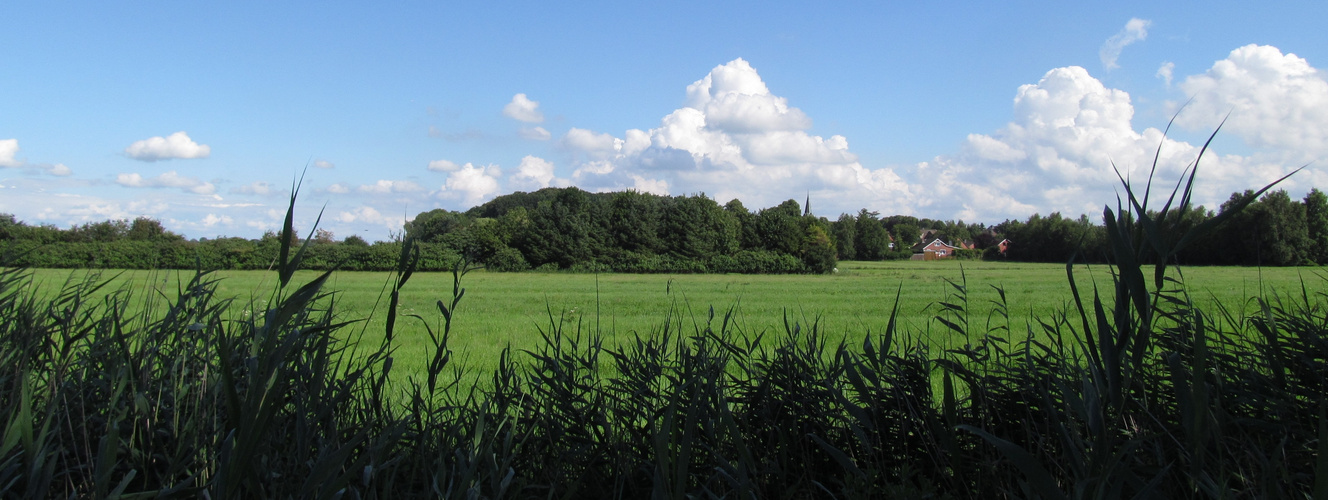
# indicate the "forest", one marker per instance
pixel 628 231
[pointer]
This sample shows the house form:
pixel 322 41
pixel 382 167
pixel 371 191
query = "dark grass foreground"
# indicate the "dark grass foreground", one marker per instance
pixel 1132 394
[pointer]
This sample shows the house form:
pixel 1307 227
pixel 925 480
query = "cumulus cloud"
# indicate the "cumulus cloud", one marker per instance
pixel 1135 30
pixel 523 109
pixel 324 164
pixel 390 187
pixel 1058 154
pixel 167 180
pixel 338 189
pixel 8 149
pixel 58 170
pixel 471 184
pixel 732 138
pixel 535 133
pixel 1067 135
pixel 177 145
pixel 1275 100
pixel 535 173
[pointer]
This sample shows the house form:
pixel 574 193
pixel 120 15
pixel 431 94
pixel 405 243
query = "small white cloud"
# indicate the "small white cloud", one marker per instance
pixel 324 164
pixel 443 166
pixel 471 183
pixel 59 170
pixel 8 149
pixel 338 189
pixel 535 173
pixel 523 109
pixel 1165 72
pixel 1134 31
pixel 167 180
pixel 177 145
pixel 388 186
pixel 256 187
pixel 535 133
pixel 211 220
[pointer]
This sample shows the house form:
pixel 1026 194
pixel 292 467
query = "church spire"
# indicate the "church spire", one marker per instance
pixel 807 205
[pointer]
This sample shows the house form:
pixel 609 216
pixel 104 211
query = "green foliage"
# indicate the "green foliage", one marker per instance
pixel 818 251
pixel 873 242
pixel 845 234
pixel 1316 224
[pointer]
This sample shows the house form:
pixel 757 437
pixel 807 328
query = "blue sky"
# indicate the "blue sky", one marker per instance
pixel 202 114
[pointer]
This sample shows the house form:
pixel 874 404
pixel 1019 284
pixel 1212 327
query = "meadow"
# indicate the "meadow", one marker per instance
pixel 502 309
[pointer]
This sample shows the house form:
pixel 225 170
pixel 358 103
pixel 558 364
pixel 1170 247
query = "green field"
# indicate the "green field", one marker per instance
pixel 510 308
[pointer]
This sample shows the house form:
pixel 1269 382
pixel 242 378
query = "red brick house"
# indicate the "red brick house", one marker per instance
pixel 937 249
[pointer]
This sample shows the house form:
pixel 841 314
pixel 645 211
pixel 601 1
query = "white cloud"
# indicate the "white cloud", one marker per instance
pixel 733 138
pixel 472 184
pixel 369 215
pixel 1165 72
pixel 8 149
pixel 535 173
pixel 535 133
pixel 58 170
pixel 443 166
pixel 177 145
pixel 338 189
pixel 595 144
pixel 1135 30
pixel 324 164
pixel 1057 154
pixel 735 99
pixel 167 180
pixel 389 187
pixel 1275 100
pixel 211 220
pixel 256 187
pixel 652 186
pixel 523 109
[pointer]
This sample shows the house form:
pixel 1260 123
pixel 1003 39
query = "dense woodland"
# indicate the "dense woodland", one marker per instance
pixel 628 231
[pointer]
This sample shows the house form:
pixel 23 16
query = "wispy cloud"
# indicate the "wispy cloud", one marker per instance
pixel 1136 30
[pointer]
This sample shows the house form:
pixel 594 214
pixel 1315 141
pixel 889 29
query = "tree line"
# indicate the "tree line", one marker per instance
pixel 629 231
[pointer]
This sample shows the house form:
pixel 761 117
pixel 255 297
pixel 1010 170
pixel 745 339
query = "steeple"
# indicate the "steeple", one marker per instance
pixel 807 205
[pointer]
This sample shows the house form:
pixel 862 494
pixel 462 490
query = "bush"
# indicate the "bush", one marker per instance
pixel 507 260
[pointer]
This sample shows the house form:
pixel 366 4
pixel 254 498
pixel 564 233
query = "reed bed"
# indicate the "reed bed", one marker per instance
pixel 1131 393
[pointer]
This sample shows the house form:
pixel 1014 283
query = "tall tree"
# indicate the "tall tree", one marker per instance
pixel 1316 224
pixel 873 243
pixel 845 233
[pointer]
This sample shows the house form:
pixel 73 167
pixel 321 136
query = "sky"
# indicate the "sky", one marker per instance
pixel 203 115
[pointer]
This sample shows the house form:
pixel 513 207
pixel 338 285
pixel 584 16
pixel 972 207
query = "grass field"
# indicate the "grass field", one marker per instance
pixel 510 308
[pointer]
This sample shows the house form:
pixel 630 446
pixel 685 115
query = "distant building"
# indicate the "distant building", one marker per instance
pixel 934 250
